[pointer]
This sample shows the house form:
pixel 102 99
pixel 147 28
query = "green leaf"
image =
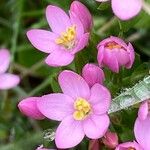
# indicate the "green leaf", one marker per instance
pixel 104 6
pixel 132 96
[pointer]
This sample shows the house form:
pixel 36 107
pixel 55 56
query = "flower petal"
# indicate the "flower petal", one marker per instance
pixel 110 61
pixel 83 14
pixel 55 106
pixel 143 111
pixel 96 126
pixel 100 55
pixel 75 21
pixel 124 11
pixel 29 108
pixel 100 99
pixel 142 132
pixel 69 133
pixel 131 52
pixel 93 74
pixel 59 58
pixel 58 20
pixel 73 85
pixel 4 60
pixel 128 145
pixel 81 43
pixel 122 56
pixel 42 40
pixel 8 81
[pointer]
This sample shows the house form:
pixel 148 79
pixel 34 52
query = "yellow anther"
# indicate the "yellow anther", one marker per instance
pixel 113 45
pixel 78 115
pixel 67 38
pixel 82 109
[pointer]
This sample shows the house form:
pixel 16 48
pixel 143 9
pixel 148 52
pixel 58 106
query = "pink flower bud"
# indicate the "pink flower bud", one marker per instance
pixel 113 52
pixel 29 108
pixel 93 74
pixel 110 139
pixel 83 14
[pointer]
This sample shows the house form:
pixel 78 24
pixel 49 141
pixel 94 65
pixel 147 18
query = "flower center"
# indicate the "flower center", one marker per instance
pixel 82 109
pixel 67 38
pixel 131 148
pixel 112 45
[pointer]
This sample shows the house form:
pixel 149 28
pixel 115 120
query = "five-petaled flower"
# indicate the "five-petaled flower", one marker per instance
pixel 113 52
pixel 7 80
pixel 125 9
pixel 66 39
pixel 81 110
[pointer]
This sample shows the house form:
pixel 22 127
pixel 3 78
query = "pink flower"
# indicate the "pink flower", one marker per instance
pixel 141 130
pixel 110 139
pixel 129 146
pixel 93 74
pixel 81 110
pixel 125 9
pixel 83 14
pixel 66 39
pixel 7 80
pixel 29 108
pixel 142 126
pixel 113 52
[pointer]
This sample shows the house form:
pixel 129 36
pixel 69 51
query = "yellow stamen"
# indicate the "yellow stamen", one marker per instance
pixel 67 38
pixel 113 45
pixel 82 107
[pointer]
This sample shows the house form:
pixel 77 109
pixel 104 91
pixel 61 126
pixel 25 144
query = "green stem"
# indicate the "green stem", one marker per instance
pixel 121 29
pixel 43 85
pixel 16 26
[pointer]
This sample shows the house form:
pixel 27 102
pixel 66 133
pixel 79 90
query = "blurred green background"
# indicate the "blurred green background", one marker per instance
pixel 18 132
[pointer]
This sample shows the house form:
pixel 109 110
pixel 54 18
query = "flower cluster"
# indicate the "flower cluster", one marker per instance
pixel 82 107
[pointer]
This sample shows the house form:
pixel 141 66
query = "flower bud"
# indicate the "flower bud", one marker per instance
pixel 93 74
pixel 113 52
pixel 110 139
pixel 29 108
pixel 83 14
